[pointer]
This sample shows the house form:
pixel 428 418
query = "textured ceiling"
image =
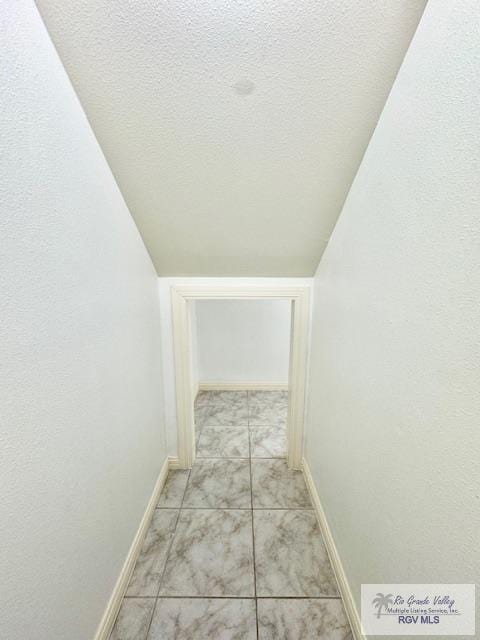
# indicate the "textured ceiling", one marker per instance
pixel 234 129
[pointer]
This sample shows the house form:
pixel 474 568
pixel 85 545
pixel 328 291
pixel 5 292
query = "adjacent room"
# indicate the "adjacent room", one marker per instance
pixel 241 368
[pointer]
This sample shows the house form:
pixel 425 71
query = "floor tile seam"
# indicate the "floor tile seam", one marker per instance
pixel 165 563
pixel 237 458
pixel 251 509
pixel 186 508
pixel 151 617
pixel 266 425
pixel 174 532
pixel 230 426
pixel 167 556
pixel 222 458
pixel 190 597
pixel 225 426
pixel 251 516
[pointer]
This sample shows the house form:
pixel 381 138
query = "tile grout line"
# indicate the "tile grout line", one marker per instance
pixel 249 428
pixel 251 515
pixel 204 597
pixel 238 458
pixel 199 428
pixel 167 556
pixel 255 597
pixel 240 508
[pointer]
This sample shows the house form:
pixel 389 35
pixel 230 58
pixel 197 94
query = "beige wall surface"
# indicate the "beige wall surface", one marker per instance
pixel 81 436
pixel 393 435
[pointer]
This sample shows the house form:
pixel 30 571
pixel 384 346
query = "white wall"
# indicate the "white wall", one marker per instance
pixel 164 286
pixel 393 435
pixel 243 340
pixel 81 441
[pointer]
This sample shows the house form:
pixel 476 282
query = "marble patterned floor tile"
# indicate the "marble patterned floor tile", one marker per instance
pixel 223 442
pixel 198 433
pixel 219 484
pixel 302 619
pixel 172 493
pixel 201 416
pixel 147 574
pixel 274 397
pixel 275 486
pixel 228 397
pixel 290 557
pixel 211 555
pixel 204 619
pixel 228 408
pixel 267 400
pixel 268 417
pixel 219 416
pixel 231 414
pixel 267 408
pixel 202 399
pixel 268 442
pixel 133 619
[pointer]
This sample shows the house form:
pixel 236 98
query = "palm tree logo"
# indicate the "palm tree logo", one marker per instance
pixel 382 601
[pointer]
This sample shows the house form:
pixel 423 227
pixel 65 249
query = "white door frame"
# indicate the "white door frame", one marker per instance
pixel 300 298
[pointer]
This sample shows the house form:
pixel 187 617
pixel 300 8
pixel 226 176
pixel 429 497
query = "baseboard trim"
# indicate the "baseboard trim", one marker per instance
pixel 108 620
pixel 242 386
pixel 343 586
pixel 174 463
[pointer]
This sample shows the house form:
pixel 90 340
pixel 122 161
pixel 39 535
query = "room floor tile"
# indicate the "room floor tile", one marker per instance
pixel 197 564
pixel 203 399
pixel 268 442
pixel 172 493
pixel 275 396
pixel 267 408
pixel 228 408
pixel 290 557
pixel 228 397
pixel 211 555
pixel 133 619
pixel 219 484
pixel 302 619
pixel 223 442
pixel 267 417
pixel 275 486
pixel 201 417
pixel 146 576
pixel 204 618
pixel 228 416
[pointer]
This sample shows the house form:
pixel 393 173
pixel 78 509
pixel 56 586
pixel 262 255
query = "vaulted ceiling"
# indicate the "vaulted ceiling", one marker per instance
pixel 233 128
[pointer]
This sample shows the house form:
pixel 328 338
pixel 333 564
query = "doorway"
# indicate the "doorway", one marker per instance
pixel 186 387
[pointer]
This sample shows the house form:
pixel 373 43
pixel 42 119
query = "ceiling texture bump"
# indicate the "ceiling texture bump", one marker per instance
pixel 234 129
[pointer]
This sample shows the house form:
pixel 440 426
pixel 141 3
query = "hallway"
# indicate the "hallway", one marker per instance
pixel 234 550
pixel 226 196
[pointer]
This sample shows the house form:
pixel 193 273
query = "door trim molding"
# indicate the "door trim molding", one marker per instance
pixel 300 298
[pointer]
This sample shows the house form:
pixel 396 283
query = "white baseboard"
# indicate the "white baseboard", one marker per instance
pixel 343 586
pixel 174 463
pixel 115 602
pixel 242 386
